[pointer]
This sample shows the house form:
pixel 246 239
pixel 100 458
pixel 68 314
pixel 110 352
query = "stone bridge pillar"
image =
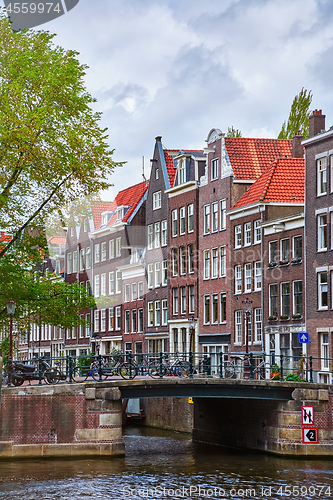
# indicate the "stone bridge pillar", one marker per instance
pixel 68 420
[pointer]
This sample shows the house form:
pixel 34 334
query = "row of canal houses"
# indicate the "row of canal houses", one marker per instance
pixel 218 252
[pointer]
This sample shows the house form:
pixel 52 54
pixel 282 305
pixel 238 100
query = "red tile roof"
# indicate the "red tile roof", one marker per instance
pixel 99 208
pixel 57 240
pixel 250 157
pixel 5 238
pixel 169 164
pixel 131 196
pixel 282 182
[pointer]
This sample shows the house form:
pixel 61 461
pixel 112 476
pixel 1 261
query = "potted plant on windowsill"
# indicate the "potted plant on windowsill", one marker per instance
pixel 298 260
pixel 297 316
pixel 284 262
pixel 272 318
pixel 284 317
pixel 272 264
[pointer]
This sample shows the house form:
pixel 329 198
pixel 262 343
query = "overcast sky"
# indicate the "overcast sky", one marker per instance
pixel 178 68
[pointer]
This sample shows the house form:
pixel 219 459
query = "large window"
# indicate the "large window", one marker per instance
pixel 206 309
pixel 191 299
pixel 118 281
pixel 247 277
pixel 157 313
pixel 103 250
pixel 215 217
pixel 273 300
pixel 75 261
pixel 96 287
pixel 164 232
pixel 297 247
pixel 257 325
pixel 238 236
pixel 150 313
pixel 298 298
pixel 164 272
pixel 215 307
pixel 214 169
pixel 322 232
pixel 103 284
pixel 118 247
pixel 223 214
pixel 182 260
pixel 133 320
pixel 190 224
pixel 321 176
pixel 88 258
pixel 257 276
pixel 206 264
pixel 206 219
pixel 150 237
pixel 257 231
pixel 182 171
pixel 150 275
pixel 157 274
pixel 111 283
pixel 284 251
pixel 238 279
pixel 247 234
pixel 223 261
pixel 96 320
pixel 322 291
pixel 175 301
pixel 223 307
pixel 111 249
pixel 182 220
pixel 157 199
pixel 175 261
pixel 118 318
pixel 127 292
pixel 191 258
pixel 127 321
pixel 238 327
pixel 157 238
pixel 97 252
pixel 174 216
pixel 164 312
pixel 140 322
pixel 273 251
pixel 285 299
pixel 215 262
pixel 183 299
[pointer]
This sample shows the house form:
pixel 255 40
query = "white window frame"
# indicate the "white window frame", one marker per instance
pixel 111 282
pixel 118 281
pixel 158 277
pixel 88 258
pixel 103 284
pixel 82 259
pixel 215 262
pixel 150 237
pixel 215 309
pixel 247 277
pixel 96 286
pixel 238 279
pixel 215 217
pixel 223 214
pixel 96 322
pixel 103 251
pixel 97 253
pixel 157 313
pixel 257 232
pixel 223 261
pixel 164 240
pixel 258 325
pixel 174 218
pixel 191 299
pixel 126 292
pixel 182 221
pixel 111 249
pixel 164 312
pixel 103 320
pixel 206 311
pixel 294 297
pixel 175 301
pixel 118 318
pixel 75 261
pixel 224 296
pixel 134 320
pixel 164 273
pixel 127 321
pixel 238 236
pixel 322 176
pixel 111 319
pixel 157 235
pixel 257 276
pixel 183 299
pixel 133 292
pixel 157 200
pixel 140 290
pixel 206 264
pixel 247 234
pixel 150 317
pixel 207 219
pixel 118 247
pixel 321 290
pixel 150 272
pixel 190 218
pixel 238 327
pixel 322 232
pixel 214 171
pixel 69 263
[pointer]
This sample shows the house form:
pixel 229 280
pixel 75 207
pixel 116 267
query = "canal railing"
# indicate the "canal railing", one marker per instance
pixel 252 366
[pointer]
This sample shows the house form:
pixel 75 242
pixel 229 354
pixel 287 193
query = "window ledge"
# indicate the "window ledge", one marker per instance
pixel 321 250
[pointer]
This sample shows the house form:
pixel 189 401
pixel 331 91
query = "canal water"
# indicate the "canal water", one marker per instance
pixel 161 464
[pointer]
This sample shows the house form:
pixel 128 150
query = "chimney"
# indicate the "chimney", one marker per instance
pixel 316 123
pixel 158 138
pixel 297 145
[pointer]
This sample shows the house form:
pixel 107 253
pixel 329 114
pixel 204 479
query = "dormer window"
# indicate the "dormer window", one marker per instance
pixel 106 216
pixel 121 212
pixel 182 171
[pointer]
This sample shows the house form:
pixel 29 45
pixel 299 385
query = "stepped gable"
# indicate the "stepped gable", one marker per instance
pixel 249 158
pixel 282 182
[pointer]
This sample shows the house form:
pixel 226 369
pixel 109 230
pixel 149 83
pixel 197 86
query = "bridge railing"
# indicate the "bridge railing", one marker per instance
pixel 232 365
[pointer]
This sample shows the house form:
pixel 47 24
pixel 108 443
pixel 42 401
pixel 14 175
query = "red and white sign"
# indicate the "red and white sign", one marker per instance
pixel 310 435
pixel 307 415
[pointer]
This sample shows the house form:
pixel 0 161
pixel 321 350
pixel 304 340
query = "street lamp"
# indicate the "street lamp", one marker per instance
pixel 247 308
pixel 192 322
pixel 11 306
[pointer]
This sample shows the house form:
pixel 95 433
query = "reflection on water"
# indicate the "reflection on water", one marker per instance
pixel 161 464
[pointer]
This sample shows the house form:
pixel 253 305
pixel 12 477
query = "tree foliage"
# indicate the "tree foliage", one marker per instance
pixel 52 149
pixel 233 132
pixel 299 116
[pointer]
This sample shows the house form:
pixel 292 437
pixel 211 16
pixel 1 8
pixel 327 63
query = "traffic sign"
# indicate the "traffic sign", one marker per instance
pixel 310 435
pixel 307 415
pixel 303 337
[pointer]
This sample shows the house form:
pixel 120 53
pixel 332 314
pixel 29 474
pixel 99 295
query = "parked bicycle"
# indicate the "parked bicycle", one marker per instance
pixel 162 366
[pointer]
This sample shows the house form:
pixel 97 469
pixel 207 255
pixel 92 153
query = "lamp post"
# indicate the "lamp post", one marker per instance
pixel 192 322
pixel 11 306
pixel 247 308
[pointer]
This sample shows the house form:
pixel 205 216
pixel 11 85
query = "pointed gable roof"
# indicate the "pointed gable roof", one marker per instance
pixel 131 196
pixel 282 182
pixel 249 158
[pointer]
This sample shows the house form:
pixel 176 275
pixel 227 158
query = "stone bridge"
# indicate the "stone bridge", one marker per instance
pixel 75 420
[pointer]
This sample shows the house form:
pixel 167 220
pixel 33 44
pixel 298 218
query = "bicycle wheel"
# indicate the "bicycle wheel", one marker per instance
pixel 229 371
pixel 127 370
pixel 52 376
pixel 94 372
pixel 80 374
pixel 154 369
pixel 181 369
pixel 17 381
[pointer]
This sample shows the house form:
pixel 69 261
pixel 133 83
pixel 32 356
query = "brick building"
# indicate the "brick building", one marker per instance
pixel 319 243
pixel 183 252
pixel 233 165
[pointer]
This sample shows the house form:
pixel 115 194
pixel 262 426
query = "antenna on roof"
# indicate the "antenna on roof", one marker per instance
pixel 143 170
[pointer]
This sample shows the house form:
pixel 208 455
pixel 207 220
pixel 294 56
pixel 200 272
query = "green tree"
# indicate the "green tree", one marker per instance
pixel 233 132
pixel 52 149
pixel 299 116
